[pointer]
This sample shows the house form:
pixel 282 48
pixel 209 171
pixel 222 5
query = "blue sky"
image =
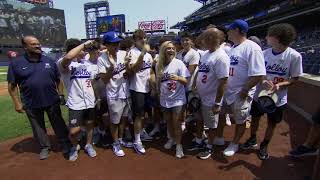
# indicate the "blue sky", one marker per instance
pixel 135 11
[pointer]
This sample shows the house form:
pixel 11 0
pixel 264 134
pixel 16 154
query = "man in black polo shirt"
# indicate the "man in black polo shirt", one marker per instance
pixel 37 77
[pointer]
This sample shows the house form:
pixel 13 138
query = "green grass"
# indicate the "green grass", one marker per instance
pixel 4 69
pixel 3 77
pixel 13 124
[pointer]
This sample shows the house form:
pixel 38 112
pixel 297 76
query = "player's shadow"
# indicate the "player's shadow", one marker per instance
pixel 30 145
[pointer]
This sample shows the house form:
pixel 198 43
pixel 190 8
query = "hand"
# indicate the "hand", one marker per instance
pixel 88 44
pixel 243 94
pixel 216 109
pixel 128 58
pixel 19 108
pixel 62 100
pixel 267 85
pixel 174 77
pixel 275 88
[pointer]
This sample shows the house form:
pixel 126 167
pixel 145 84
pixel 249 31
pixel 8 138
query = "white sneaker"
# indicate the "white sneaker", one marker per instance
pixel 126 144
pixel 231 149
pixel 116 148
pixel 218 141
pixel 228 121
pixel 139 148
pixel 90 150
pixel 179 151
pixel 169 144
pixel 73 154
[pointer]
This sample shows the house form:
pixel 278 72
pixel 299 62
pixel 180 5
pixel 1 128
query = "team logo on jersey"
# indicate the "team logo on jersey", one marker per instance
pixel 276 69
pixel 204 68
pixel 79 72
pixel 120 67
pixel 165 77
pixel 146 65
pixel 234 60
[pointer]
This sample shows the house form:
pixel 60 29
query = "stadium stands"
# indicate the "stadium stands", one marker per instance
pixel 260 15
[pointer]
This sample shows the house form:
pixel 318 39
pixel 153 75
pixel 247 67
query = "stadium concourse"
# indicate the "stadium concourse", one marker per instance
pixel 19 160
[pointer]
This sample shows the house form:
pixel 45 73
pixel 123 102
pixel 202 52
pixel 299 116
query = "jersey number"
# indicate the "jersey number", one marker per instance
pixel 88 83
pixel 125 75
pixel 204 79
pixel 231 71
pixel 277 80
pixel 172 85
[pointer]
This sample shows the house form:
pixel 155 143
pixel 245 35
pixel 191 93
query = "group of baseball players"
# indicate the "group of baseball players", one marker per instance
pixel 204 81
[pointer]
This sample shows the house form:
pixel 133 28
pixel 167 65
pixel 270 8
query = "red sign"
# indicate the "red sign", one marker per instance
pixel 159 25
pixel 36 1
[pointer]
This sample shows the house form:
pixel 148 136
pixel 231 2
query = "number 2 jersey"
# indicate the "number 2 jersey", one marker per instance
pixel 77 79
pixel 212 67
pixel 172 93
pixel 281 67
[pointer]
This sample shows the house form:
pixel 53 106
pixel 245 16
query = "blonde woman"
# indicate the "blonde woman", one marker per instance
pixel 172 76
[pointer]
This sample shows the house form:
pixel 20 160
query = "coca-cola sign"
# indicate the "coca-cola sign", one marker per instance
pixel 159 25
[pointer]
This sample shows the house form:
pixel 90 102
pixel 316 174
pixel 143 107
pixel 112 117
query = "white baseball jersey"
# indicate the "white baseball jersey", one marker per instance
pixel 201 52
pixel 281 67
pixel 139 81
pixel 172 93
pixel 246 60
pixel 118 86
pixel 212 67
pixel 100 85
pixel 225 47
pixel 192 57
pixel 77 81
pixel 94 68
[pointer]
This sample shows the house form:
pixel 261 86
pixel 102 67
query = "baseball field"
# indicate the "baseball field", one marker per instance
pixel 19 155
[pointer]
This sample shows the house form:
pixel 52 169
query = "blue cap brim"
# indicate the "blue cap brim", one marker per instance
pixel 230 26
pixel 115 40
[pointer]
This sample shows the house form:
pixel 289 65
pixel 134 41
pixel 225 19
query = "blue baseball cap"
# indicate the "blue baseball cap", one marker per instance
pixel 111 37
pixel 239 23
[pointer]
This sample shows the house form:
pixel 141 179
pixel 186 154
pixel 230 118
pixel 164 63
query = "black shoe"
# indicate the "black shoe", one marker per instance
pixel 44 153
pixel 195 146
pixel 263 153
pixel 205 154
pixel 66 147
pixel 303 151
pixel 251 143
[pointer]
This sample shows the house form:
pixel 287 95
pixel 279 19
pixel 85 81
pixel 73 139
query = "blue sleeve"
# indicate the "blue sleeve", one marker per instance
pixel 11 78
pixel 56 72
